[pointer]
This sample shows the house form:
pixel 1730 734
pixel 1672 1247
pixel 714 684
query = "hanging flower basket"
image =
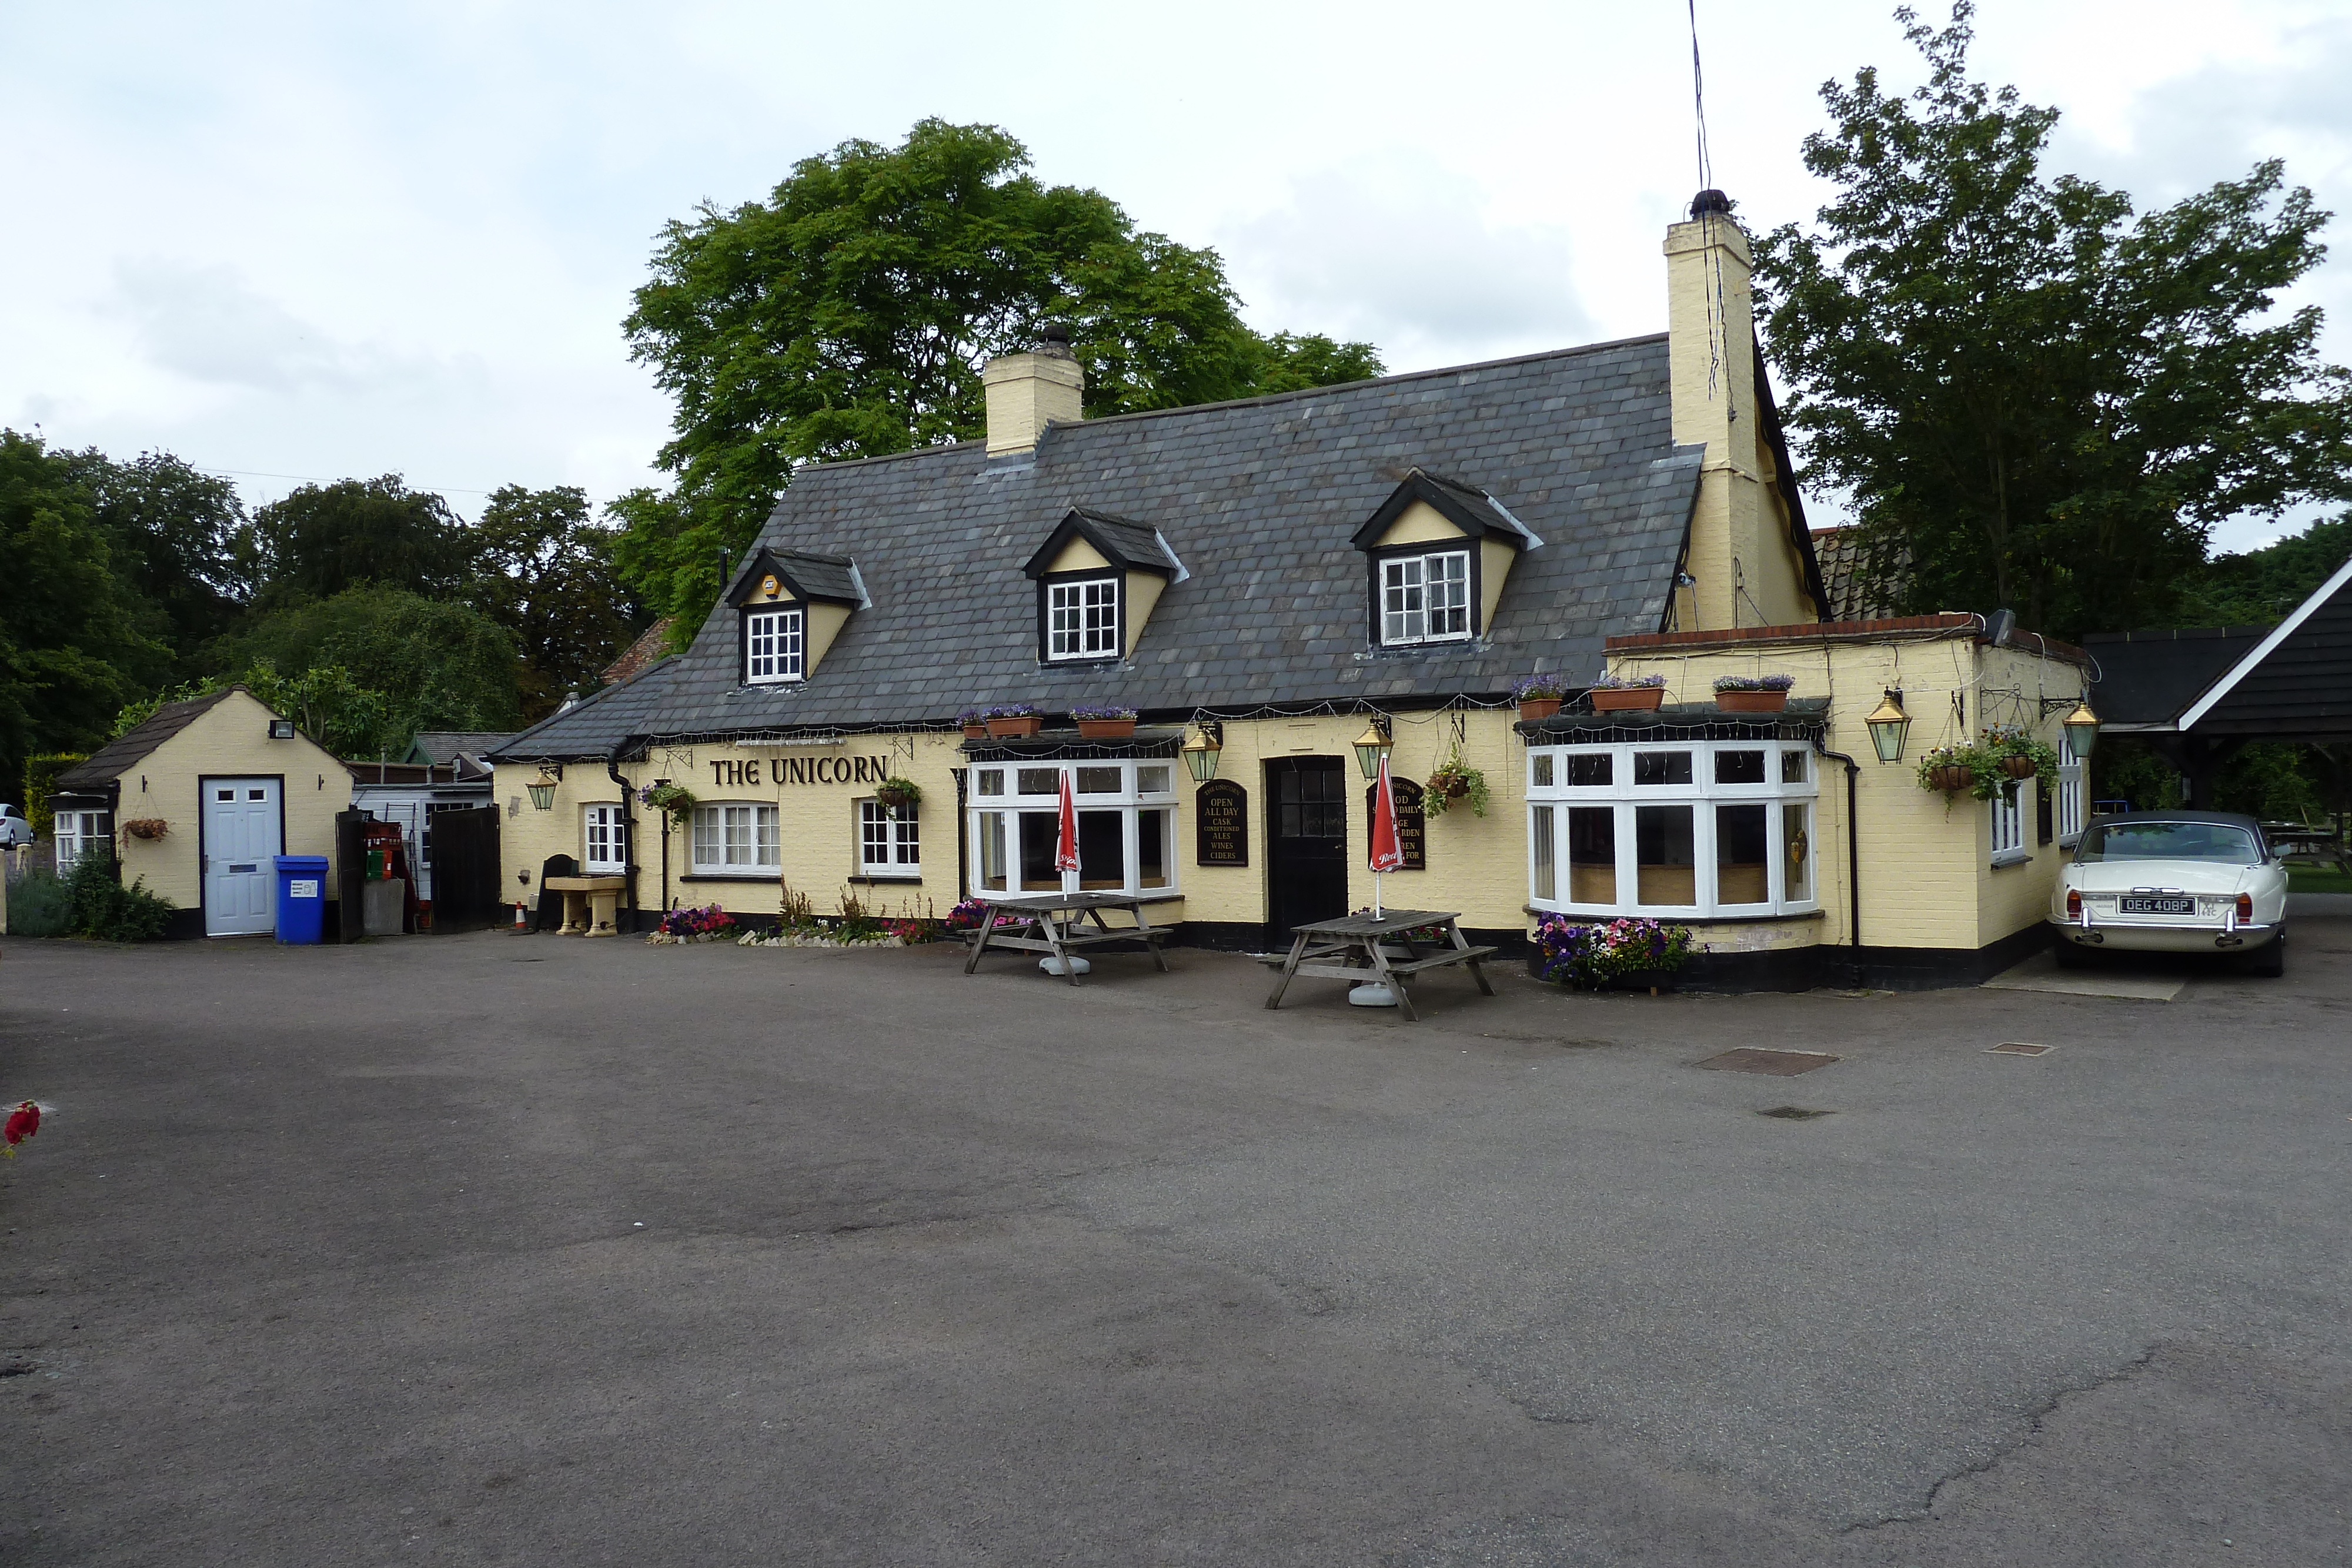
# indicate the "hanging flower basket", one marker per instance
pixel 1454 780
pixel 1753 694
pixel 150 828
pixel 1105 723
pixel 1951 777
pixel 1011 723
pixel 2017 766
pixel 898 794
pixel 1643 693
pixel 676 801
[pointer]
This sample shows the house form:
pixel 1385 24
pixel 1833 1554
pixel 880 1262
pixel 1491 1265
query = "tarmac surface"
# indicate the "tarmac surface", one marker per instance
pixel 528 1249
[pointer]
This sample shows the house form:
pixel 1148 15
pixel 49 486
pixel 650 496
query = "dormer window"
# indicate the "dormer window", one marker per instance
pixel 1098 578
pixel 792 605
pixel 774 644
pixel 1426 598
pixel 1082 618
pixel 1440 551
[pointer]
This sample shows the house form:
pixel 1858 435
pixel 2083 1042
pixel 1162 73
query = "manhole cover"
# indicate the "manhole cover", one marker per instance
pixel 1795 1114
pixel 2019 1048
pixel 1780 1063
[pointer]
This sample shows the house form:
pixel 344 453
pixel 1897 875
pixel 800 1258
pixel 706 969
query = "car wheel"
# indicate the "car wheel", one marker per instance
pixel 2269 960
pixel 2071 957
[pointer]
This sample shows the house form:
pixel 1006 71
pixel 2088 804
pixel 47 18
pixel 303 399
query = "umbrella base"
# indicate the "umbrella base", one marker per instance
pixel 1054 966
pixel 1370 997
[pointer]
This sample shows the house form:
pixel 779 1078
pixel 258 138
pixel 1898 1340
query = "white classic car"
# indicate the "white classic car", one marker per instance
pixel 2173 882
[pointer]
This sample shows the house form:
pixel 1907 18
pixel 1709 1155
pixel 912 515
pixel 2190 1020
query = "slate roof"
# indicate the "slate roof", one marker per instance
pixel 811 573
pixel 1129 546
pixel 134 744
pixel 1258 499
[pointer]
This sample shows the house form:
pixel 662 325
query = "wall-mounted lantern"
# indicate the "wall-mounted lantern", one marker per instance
pixel 1202 751
pixel 1372 745
pixel 282 729
pixel 1889 726
pixel 542 789
pixel 2082 728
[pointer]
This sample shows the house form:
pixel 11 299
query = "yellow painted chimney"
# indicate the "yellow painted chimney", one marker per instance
pixel 1027 392
pixel 1747 570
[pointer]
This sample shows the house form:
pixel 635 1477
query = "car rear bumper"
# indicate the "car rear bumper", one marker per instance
pixel 2116 935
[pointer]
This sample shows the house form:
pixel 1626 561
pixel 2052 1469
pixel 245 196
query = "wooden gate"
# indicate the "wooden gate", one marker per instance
pixel 466 888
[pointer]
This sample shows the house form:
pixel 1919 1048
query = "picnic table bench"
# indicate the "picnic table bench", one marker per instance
pixel 1055 924
pixel 1378 949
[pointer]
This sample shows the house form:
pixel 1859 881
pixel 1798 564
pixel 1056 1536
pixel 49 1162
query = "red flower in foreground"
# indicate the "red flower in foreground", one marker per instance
pixel 22 1123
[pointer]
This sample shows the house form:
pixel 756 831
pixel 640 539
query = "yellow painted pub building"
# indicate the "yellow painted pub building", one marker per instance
pixel 1265 582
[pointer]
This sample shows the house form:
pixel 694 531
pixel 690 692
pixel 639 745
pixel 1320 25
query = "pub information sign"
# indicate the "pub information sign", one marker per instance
pixel 1221 819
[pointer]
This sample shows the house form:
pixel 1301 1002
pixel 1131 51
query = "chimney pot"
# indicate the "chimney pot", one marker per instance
pixel 1707 202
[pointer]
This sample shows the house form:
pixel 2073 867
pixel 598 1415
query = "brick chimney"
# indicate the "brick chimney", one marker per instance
pixel 1028 391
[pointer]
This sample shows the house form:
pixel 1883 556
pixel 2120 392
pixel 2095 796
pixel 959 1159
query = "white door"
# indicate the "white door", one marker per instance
pixel 241 842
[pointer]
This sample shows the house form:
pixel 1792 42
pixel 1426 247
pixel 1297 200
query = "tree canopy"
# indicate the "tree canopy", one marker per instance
pixel 2044 401
pixel 324 538
pixel 439 664
pixel 849 315
pixel 546 573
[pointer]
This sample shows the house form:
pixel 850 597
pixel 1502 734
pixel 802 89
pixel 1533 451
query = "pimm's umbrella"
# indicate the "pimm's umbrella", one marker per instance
pixel 1387 853
pixel 1066 852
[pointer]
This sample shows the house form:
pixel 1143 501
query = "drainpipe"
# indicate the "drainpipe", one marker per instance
pixel 1853 859
pixel 628 820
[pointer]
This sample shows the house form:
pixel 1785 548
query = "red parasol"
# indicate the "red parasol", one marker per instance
pixel 1066 852
pixel 1387 855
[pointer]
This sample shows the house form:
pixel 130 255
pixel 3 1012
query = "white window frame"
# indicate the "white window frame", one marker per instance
pixel 605 827
pixel 775 645
pixel 997 804
pixel 1623 797
pixel 75 833
pixel 1407 613
pixel 2073 800
pixel 1082 616
pixel 895 835
pixel 735 838
pixel 2007 815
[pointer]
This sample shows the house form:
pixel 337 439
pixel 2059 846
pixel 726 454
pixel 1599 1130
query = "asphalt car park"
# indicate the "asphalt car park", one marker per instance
pixel 526 1249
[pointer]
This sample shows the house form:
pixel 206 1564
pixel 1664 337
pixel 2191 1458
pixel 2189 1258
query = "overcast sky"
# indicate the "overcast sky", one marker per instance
pixel 309 241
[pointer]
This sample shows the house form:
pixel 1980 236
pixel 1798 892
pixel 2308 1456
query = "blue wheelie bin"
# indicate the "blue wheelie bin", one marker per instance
pixel 301 898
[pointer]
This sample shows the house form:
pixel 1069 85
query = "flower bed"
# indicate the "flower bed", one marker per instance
pixel 678 926
pixel 1591 957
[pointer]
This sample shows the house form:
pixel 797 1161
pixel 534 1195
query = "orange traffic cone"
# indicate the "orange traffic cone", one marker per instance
pixel 520 924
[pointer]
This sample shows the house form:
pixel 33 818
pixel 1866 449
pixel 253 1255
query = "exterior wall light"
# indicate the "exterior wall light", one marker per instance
pixel 282 729
pixel 542 790
pixel 2082 728
pixel 1889 726
pixel 1371 747
pixel 1200 753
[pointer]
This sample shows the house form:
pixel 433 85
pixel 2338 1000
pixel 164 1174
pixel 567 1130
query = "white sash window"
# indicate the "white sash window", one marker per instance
pixel 774 641
pixel 608 842
pixel 1082 619
pixel 736 840
pixel 1426 598
pixel 890 841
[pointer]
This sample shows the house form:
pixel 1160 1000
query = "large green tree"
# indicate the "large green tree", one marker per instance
pixel 546 573
pixel 172 533
pixel 73 643
pixel 324 538
pixel 2044 401
pixel 849 314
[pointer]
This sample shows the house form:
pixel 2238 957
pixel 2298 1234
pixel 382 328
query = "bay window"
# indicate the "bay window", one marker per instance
pixel 735 841
pixel 79 833
pixel 1682 828
pixel 1126 822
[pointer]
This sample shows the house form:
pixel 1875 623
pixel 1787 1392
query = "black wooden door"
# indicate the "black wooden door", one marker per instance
pixel 466 891
pixel 1306 832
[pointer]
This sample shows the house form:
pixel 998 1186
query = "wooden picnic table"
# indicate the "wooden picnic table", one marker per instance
pixel 1056 922
pixel 1366 949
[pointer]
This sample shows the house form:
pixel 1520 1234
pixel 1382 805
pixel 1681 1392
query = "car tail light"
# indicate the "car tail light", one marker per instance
pixel 2246 906
pixel 2074 903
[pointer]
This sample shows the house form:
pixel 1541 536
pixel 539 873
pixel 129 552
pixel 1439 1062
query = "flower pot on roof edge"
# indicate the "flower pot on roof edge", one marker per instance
pixel 1013 726
pixel 976 730
pixel 1751 702
pixel 1534 708
pixel 1105 729
pixel 1627 699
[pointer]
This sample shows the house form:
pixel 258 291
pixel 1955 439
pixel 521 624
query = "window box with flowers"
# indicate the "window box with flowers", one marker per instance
pixel 1104 722
pixel 1753 694
pixel 1013 720
pixel 1614 694
pixel 974 721
pixel 1539 697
